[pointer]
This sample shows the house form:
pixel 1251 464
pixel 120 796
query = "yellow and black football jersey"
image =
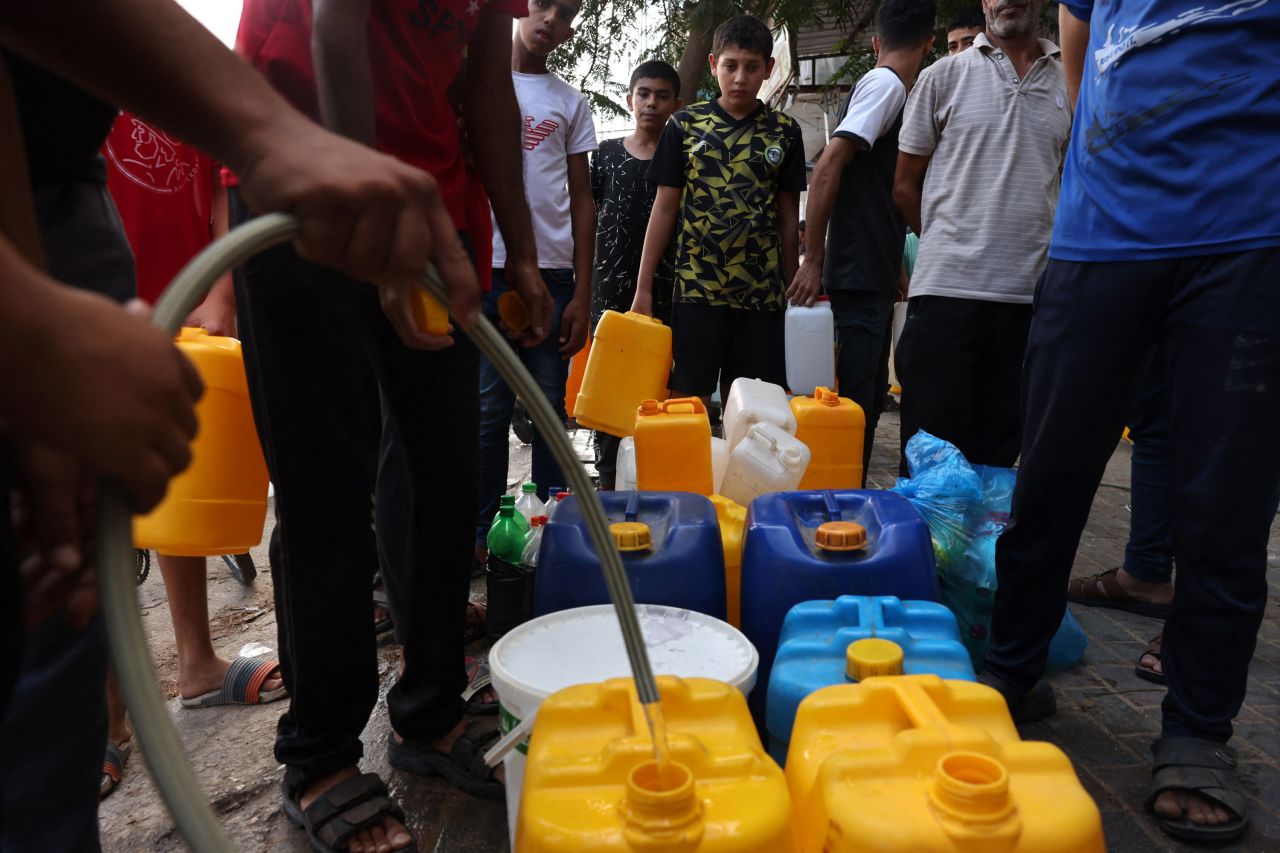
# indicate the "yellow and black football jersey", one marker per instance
pixel 728 250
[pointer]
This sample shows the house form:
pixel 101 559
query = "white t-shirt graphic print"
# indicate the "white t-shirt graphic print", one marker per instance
pixel 557 124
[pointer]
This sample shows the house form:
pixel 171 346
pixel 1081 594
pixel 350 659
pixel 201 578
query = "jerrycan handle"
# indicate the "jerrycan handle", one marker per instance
pixel 684 406
pixel 833 511
pixel 633 507
pixel 762 435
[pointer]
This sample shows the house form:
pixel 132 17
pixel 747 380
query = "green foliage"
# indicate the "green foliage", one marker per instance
pixel 609 31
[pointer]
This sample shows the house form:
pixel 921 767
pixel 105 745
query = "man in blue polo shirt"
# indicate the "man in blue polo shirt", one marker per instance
pixel 1167 231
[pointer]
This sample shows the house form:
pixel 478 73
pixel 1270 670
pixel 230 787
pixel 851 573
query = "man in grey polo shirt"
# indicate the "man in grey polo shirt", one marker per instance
pixel 980 154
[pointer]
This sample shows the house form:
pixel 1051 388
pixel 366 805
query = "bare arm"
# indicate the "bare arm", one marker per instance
pixel 823 190
pixel 662 221
pixel 344 75
pixel 582 213
pixel 493 123
pixel 373 217
pixel 119 401
pixel 789 223
pixel 1075 43
pixel 157 60
pixel 908 187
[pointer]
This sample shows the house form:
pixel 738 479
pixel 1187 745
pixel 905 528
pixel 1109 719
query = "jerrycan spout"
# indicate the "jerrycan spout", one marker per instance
pixel 661 808
pixel 971 788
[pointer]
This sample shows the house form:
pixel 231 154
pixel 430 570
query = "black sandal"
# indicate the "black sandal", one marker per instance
pixel 463 767
pixel 1152 650
pixel 349 807
pixel 1203 767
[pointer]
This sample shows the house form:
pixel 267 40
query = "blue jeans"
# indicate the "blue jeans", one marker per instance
pixel 1148 556
pixel 550 371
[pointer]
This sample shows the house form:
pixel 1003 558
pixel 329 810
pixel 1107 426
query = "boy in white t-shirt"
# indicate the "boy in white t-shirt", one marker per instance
pixel 558 135
pixel 855 231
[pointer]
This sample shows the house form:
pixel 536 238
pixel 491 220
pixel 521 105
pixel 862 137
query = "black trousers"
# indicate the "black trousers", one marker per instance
pixel 864 324
pixel 1096 327
pixel 318 353
pixel 960 364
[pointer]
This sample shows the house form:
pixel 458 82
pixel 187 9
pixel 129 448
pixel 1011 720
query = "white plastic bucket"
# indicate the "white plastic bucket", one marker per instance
pixel 584 646
pixel 810 347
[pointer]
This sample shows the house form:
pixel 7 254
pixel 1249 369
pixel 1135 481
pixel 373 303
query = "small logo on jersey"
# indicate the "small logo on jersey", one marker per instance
pixel 773 154
pixel 153 160
pixel 1061 103
pixel 534 134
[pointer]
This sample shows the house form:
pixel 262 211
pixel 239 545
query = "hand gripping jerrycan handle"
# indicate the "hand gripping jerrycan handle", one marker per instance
pixel 159 740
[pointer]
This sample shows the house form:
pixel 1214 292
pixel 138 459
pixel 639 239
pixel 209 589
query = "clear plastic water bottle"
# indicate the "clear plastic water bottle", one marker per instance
pixel 529 504
pixel 555 502
pixel 533 542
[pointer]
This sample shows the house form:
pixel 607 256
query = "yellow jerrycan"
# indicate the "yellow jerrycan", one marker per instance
pixel 630 362
pixel 577 370
pixel 673 446
pixel 834 429
pixel 918 763
pixel 219 504
pixel 591 782
pixel 733 525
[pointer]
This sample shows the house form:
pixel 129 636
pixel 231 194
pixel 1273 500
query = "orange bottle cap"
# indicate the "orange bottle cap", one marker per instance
pixel 826 397
pixel 512 310
pixel 841 536
pixel 649 407
pixel 631 535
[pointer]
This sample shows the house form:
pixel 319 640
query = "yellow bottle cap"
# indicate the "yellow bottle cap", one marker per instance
pixel 631 535
pixel 649 407
pixel 872 656
pixel 841 536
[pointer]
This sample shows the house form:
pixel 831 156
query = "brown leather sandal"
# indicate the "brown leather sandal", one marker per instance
pixel 1103 590
pixel 1146 673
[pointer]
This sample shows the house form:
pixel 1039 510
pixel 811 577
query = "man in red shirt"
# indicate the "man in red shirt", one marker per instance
pixel 320 355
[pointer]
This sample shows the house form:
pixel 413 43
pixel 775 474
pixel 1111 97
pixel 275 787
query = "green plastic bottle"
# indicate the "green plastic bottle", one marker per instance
pixel 506 538
pixel 510 500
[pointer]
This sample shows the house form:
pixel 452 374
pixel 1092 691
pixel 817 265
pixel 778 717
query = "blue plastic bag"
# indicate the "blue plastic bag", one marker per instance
pixel 967 508
pixel 943 487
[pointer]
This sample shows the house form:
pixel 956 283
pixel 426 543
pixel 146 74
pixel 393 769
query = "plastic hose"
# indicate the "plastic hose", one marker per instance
pixel 160 743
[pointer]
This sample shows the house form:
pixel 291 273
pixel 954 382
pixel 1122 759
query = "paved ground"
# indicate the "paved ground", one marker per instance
pixel 1106 720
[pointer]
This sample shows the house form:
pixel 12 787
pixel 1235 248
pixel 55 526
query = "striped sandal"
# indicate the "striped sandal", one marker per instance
pixel 242 685
pixel 113 766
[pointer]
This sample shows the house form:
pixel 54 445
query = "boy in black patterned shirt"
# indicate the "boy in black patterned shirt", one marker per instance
pixel 729 175
pixel 623 200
